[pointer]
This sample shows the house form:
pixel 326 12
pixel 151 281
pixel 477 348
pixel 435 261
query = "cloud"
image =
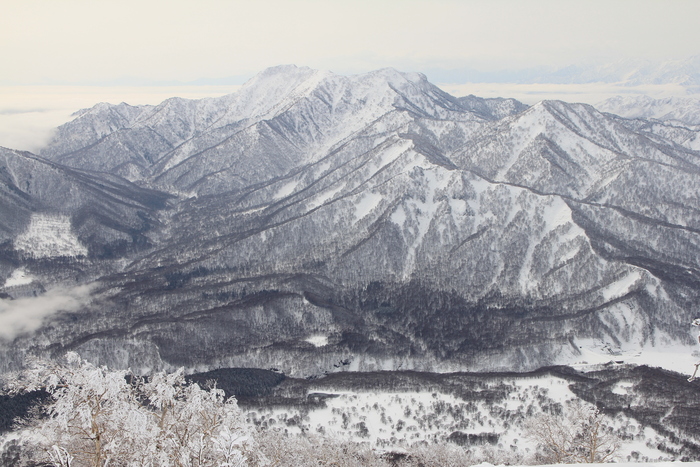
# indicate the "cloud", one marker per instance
pixel 25 315
pixel 28 130
pixel 19 111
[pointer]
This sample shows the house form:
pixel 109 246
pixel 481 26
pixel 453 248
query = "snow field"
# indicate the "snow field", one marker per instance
pixel 49 236
pixel 367 203
pixel 317 340
pixel 667 354
pixel 18 277
pixel 492 418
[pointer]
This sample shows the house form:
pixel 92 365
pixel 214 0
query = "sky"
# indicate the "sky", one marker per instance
pixel 59 56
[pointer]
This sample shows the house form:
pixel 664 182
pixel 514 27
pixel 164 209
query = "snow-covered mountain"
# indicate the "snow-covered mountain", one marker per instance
pixel 314 222
pixel 281 119
pixel 631 72
pixel 626 74
pixel 674 109
pixel 50 210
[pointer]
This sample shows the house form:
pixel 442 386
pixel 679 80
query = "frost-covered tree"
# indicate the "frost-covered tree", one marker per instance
pixel 285 450
pixel 99 417
pixel 578 435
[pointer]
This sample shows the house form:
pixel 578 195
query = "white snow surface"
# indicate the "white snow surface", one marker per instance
pixel 286 190
pixel 18 277
pixel 367 203
pixel 396 418
pixel 666 355
pixel 317 340
pixel 622 286
pixel 49 236
pixel 622 387
pixel 324 197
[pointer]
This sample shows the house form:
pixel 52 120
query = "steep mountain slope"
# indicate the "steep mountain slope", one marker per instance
pixel 284 117
pixel 373 222
pixel 96 216
pixel 608 175
pixel 492 109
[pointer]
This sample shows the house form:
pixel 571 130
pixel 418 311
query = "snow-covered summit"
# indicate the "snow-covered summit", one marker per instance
pixel 295 109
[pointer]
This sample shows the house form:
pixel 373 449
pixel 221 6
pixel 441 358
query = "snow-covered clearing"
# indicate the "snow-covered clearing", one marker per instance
pixel 49 236
pixel 492 415
pixel 670 356
pixel 18 277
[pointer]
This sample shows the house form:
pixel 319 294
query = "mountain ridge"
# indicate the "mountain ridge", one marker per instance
pixel 407 227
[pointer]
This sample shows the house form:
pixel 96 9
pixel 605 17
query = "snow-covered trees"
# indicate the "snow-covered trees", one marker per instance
pixel 578 435
pixel 696 322
pixel 105 418
pixel 313 451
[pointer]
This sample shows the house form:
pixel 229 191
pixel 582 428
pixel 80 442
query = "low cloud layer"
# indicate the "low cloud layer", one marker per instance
pixel 25 315
pixel 28 131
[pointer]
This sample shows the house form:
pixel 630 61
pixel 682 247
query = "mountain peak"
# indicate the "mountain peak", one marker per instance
pixel 393 75
pixel 280 73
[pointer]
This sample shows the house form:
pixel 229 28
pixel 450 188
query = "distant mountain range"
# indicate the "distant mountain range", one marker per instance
pixel 683 110
pixel 631 72
pixel 315 223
